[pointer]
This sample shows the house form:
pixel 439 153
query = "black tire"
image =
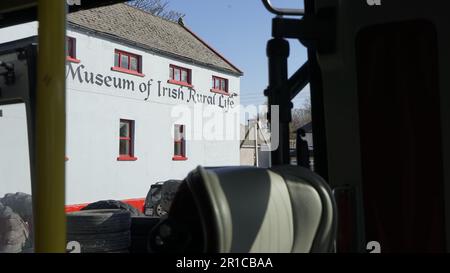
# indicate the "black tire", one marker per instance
pixel 141 225
pixel 14 231
pixel 138 244
pixel 95 222
pixel 21 203
pixel 126 250
pixel 140 229
pixel 113 204
pixel 102 242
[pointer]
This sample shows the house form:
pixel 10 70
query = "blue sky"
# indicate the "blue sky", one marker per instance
pixel 239 30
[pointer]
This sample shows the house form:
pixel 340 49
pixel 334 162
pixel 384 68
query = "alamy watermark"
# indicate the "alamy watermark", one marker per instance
pixel 210 123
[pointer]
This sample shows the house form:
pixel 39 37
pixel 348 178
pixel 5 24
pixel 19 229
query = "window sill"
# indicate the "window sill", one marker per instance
pixel 179 158
pixel 180 83
pixel 72 60
pixel 220 92
pixel 126 158
pixel 126 71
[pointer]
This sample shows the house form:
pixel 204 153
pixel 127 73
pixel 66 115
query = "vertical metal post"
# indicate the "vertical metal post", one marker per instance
pixel 49 190
pixel 278 53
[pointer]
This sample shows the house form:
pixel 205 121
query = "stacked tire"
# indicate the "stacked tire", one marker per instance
pixel 140 230
pixel 16 219
pixel 21 203
pixel 100 231
pixel 14 232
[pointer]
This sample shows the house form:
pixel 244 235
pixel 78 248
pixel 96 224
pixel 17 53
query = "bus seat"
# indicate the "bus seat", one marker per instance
pixel 247 209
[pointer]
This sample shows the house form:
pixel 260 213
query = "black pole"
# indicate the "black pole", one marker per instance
pixel 278 53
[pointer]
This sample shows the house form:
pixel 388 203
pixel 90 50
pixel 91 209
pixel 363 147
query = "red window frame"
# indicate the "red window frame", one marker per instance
pixel 179 139
pixel 71 50
pixel 118 66
pixel 218 88
pixel 173 68
pixel 130 139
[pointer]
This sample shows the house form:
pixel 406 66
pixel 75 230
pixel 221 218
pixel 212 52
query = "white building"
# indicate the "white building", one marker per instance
pixel 145 102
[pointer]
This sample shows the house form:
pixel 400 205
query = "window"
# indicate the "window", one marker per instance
pixel 128 63
pixel 219 85
pixel 179 143
pixel 126 141
pixel 180 75
pixel 71 50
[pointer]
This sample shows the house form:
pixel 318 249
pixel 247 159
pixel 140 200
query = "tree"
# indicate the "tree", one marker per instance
pixel 157 7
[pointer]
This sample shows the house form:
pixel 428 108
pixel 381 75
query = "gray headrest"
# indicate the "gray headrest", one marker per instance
pixel 247 209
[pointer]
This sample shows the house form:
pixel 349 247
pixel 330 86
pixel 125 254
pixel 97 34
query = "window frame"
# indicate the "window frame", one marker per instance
pixel 71 49
pixel 172 79
pixel 130 139
pixel 182 156
pixel 219 90
pixel 129 55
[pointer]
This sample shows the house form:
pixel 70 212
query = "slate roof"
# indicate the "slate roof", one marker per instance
pixel 135 26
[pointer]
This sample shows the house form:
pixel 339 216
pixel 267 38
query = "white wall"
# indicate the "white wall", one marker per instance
pixel 93 114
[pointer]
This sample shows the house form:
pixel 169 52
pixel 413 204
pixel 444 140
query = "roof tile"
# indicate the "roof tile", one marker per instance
pixel 132 24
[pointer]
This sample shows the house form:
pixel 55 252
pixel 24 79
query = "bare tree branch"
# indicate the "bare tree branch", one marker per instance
pixel 157 7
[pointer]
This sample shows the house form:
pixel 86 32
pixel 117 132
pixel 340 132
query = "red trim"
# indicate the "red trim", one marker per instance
pixel 179 138
pixel 180 83
pixel 72 208
pixel 130 139
pixel 136 202
pixel 172 79
pixel 212 49
pixel 179 158
pixel 127 71
pixel 71 50
pixel 219 87
pixel 118 67
pixel 218 91
pixel 72 60
pixel 126 158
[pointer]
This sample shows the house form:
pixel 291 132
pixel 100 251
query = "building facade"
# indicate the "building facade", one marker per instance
pixel 147 101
